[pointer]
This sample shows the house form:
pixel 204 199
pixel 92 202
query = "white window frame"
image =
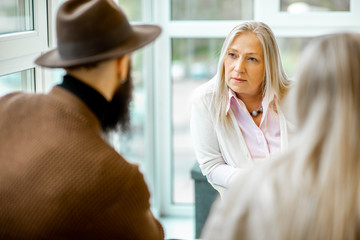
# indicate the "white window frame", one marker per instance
pixel 269 12
pixel 18 50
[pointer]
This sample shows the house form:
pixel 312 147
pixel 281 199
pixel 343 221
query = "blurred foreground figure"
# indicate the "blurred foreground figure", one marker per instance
pixel 58 178
pixel 312 190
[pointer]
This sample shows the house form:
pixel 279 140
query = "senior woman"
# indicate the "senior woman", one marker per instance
pixel 312 190
pixel 236 120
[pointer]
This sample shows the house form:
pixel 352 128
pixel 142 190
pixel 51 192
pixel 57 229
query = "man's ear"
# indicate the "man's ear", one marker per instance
pixel 123 64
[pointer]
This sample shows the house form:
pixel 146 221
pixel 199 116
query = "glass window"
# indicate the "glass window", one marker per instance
pixel 17 81
pixel 296 6
pixel 290 49
pixel 16 16
pixel 132 9
pixel 194 61
pixel 211 9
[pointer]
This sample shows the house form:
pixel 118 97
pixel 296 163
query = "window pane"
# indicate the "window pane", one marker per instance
pixel 133 146
pixel 16 16
pixel 194 61
pixel 290 49
pixel 54 77
pixel 295 6
pixel 132 9
pixel 19 81
pixel 211 9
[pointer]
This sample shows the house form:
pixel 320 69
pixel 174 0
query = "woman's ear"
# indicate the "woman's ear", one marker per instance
pixel 123 67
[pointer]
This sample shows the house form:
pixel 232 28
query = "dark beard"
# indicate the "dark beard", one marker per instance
pixel 118 110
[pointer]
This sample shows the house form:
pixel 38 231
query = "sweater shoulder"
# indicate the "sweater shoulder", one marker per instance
pixel 16 99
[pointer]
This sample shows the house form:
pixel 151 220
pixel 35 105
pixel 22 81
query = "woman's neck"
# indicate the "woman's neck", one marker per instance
pixel 252 102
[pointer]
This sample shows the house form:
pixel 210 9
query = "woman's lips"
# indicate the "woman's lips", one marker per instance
pixel 239 80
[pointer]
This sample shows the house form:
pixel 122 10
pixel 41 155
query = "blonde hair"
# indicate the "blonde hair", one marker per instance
pixel 275 83
pixel 325 157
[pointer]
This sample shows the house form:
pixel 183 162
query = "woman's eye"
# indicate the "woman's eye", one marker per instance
pixel 253 59
pixel 231 55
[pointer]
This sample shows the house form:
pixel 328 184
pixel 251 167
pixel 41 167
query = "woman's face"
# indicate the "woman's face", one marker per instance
pixel 244 65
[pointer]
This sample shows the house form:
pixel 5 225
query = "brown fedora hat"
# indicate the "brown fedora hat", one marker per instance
pixel 94 30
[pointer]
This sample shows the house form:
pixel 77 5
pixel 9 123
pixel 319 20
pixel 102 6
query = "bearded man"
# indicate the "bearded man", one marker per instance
pixel 59 178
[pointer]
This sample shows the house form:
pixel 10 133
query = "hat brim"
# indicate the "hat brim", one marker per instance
pixel 142 35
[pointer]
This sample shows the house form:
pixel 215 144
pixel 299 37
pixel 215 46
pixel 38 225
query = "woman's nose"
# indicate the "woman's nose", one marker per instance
pixel 240 66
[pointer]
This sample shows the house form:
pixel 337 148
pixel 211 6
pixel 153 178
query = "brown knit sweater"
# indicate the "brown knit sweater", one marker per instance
pixel 60 180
